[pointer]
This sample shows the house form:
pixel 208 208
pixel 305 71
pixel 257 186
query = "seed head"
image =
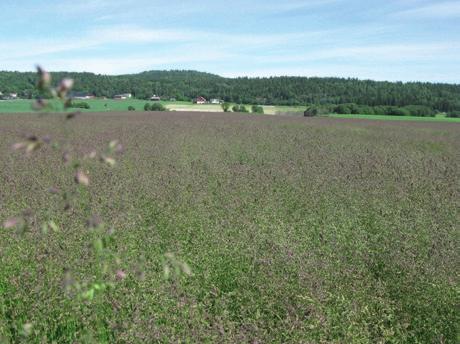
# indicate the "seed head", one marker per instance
pixel 66 157
pixel 81 178
pixel 120 274
pixel 108 160
pixel 44 78
pixel 19 145
pixel 94 221
pixel 39 104
pixel 11 222
pixel 27 329
pixel 92 154
pixel 64 86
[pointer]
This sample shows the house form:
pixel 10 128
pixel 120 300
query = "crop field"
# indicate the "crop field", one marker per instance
pixel 232 228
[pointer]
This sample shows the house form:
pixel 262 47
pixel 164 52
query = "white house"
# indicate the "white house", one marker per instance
pixel 123 96
pixel 216 101
pixel 81 95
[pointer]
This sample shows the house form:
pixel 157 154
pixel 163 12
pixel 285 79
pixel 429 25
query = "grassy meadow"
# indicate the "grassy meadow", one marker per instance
pixel 110 105
pixel 438 118
pixel 296 230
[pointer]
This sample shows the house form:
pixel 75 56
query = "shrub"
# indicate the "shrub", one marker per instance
pixel 366 110
pixel 131 108
pixel 342 109
pixel 243 108
pixel 396 111
pixel 317 110
pixel 380 110
pixel 453 114
pixel 257 109
pixel 311 111
pixel 154 107
pixel 355 109
pixel 420 110
pixel 225 107
pixel 157 107
pixel 239 108
pixel 79 105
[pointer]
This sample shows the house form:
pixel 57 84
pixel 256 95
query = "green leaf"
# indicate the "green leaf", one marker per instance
pixel 45 228
pixel 53 226
pixel 88 295
pixel 98 245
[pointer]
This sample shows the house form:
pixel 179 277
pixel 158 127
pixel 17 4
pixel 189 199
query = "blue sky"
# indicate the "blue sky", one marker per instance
pixel 375 39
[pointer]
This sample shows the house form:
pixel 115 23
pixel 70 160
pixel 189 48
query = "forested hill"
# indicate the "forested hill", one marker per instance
pixel 184 85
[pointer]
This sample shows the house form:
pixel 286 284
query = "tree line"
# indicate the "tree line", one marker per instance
pixel 186 85
pixel 347 109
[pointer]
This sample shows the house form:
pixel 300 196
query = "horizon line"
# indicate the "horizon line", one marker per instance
pixel 457 83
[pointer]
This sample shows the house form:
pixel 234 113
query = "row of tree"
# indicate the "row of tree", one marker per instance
pixel 241 108
pixel 186 85
pixel 347 109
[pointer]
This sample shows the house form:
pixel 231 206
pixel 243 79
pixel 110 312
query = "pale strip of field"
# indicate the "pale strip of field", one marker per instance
pixel 194 107
pixel 268 109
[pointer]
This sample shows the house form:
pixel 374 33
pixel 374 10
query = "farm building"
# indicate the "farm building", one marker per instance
pixel 81 95
pixel 199 100
pixel 155 98
pixel 123 96
pixel 9 96
pixel 216 101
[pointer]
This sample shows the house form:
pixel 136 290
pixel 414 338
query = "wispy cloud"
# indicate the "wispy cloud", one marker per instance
pixel 103 36
pixel 382 52
pixel 397 38
pixel 396 73
pixel 282 6
pixel 129 63
pixel 446 9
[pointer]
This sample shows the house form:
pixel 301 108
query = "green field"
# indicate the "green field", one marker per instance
pixel 107 105
pixel 400 118
pixel 230 228
pixel 97 105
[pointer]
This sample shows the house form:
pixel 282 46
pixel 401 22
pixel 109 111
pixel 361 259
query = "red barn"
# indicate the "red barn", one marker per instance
pixel 200 100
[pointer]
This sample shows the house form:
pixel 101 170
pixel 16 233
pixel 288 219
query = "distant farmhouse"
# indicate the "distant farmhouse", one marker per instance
pixel 9 96
pixel 123 96
pixel 216 101
pixel 81 95
pixel 200 100
pixel 155 98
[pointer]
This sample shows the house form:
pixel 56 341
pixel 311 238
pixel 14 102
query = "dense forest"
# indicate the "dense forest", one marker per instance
pixel 185 85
